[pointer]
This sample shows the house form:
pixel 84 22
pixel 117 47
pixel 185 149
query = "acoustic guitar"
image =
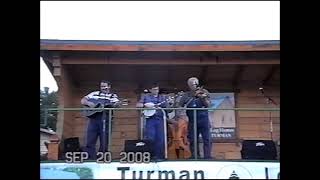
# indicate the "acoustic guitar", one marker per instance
pixel 100 103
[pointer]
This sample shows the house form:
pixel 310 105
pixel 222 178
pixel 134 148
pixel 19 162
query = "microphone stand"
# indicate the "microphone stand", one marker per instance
pixel 104 130
pixel 269 101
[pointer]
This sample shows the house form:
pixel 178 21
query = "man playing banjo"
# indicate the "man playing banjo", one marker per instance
pixel 154 129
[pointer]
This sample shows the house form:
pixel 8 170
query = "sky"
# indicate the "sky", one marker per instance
pixel 157 21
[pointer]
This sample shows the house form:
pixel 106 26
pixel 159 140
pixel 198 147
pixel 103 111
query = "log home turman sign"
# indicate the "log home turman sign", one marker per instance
pixel 223 122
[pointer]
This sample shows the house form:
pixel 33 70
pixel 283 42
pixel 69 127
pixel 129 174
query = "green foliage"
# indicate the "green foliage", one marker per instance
pixel 48 100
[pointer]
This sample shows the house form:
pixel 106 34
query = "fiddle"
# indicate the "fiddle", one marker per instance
pixel 201 93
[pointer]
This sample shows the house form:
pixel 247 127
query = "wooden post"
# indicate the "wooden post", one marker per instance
pixel 53 148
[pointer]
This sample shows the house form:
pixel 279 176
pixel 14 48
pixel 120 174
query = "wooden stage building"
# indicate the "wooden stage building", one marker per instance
pixel 238 67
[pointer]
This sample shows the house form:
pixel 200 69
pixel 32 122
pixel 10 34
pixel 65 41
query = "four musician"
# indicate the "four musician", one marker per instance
pixel 197 97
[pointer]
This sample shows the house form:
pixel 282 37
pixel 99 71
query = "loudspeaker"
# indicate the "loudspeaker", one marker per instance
pixel 72 145
pixel 138 146
pixel 259 149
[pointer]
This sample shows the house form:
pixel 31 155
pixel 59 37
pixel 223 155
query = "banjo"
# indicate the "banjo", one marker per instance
pixel 150 112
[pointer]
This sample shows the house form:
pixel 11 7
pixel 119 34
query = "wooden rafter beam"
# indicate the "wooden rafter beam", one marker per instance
pixel 270 74
pixel 237 76
pixel 204 75
pixel 51 45
pixel 202 61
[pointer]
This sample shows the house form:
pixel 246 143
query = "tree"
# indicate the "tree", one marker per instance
pixel 48 100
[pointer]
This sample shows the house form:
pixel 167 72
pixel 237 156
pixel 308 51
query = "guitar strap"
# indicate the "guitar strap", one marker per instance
pixel 158 99
pixel 100 94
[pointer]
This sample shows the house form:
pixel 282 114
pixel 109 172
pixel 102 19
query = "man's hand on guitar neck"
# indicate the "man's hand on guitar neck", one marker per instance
pixel 117 104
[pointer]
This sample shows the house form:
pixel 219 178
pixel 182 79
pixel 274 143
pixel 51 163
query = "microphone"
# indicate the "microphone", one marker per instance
pixel 261 90
pixel 268 98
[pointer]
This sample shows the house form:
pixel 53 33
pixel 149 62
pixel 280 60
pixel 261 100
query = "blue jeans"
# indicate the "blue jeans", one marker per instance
pixel 203 128
pixel 155 131
pixel 95 130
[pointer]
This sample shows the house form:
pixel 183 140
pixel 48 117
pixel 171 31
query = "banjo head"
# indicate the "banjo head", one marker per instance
pixel 149 113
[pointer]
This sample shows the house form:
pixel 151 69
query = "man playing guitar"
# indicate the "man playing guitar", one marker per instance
pixel 98 122
pixel 154 129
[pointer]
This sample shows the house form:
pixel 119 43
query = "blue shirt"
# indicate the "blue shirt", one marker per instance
pixel 189 101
